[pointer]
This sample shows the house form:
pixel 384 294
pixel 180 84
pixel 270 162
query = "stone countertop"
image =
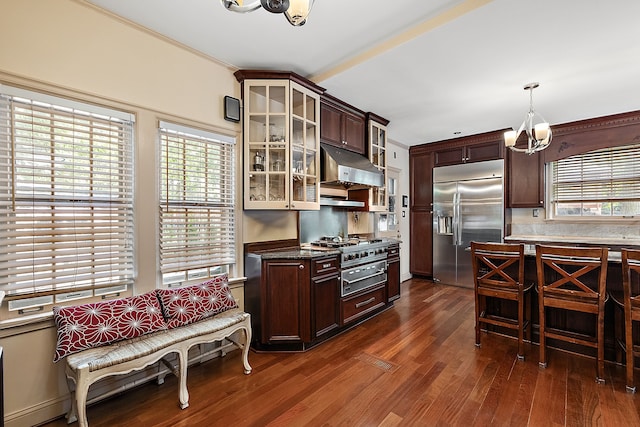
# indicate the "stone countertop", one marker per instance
pixel 612 256
pixel 298 253
pixel 600 241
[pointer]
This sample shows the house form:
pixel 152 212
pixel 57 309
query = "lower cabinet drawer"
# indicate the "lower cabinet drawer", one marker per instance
pixel 354 307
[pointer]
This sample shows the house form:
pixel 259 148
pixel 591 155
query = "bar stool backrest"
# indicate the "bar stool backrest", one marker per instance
pixel 576 275
pixel 631 289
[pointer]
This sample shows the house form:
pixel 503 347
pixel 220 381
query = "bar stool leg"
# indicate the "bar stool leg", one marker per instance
pixel 479 311
pixel 520 324
pixel 543 355
pixel 600 361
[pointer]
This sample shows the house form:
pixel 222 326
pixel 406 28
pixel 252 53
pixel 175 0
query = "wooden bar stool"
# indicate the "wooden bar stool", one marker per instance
pixel 572 278
pixel 498 272
pixel 631 288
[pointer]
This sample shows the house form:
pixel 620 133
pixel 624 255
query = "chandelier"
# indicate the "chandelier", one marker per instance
pixel 538 134
pixel 296 11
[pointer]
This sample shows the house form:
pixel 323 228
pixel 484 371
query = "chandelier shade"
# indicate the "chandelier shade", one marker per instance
pixel 536 128
pixel 296 11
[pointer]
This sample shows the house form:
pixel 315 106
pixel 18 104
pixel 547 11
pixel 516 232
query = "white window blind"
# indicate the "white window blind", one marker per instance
pixel 602 183
pixel 197 197
pixel 66 202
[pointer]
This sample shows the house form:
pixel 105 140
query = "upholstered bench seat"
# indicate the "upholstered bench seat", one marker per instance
pixel 88 366
pixel 135 348
pixel 116 337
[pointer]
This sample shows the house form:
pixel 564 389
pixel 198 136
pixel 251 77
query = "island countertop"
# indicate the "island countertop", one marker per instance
pixel 611 242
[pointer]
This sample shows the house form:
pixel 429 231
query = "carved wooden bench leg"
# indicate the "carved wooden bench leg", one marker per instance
pixel 82 389
pixel 183 358
pixel 245 349
pixel 72 416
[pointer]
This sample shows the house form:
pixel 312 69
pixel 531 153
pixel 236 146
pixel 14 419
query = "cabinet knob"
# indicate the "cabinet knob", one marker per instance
pixel 301 267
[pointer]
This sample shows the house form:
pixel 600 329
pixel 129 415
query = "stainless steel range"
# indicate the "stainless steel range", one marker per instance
pixel 363 263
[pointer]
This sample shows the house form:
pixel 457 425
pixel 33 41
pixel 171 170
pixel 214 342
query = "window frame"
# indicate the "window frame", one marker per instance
pixel 221 202
pixel 62 125
pixel 609 152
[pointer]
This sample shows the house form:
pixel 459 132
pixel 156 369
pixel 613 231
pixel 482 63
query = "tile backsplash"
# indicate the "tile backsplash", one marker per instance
pixel 523 223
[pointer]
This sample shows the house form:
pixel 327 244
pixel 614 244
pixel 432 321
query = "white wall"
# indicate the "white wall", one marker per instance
pixel 69 48
pixel 398 157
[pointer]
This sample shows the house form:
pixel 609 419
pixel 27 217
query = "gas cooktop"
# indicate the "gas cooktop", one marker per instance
pixel 337 242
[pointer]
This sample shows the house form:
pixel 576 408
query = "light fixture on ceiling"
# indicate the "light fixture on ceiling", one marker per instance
pixel 296 11
pixel 538 134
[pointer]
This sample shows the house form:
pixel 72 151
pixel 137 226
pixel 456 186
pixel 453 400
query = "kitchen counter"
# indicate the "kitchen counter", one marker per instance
pixel 298 253
pixel 611 242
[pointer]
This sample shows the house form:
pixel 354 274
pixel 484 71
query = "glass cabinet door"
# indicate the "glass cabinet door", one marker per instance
pixel 281 145
pixel 266 144
pixel 305 155
pixel 378 152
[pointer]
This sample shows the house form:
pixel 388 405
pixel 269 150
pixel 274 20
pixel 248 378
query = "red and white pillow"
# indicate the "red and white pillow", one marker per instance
pixel 192 303
pixel 94 324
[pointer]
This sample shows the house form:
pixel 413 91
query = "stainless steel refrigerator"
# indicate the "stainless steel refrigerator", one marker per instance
pixel 467 206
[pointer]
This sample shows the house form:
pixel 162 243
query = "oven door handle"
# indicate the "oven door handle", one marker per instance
pixel 381 271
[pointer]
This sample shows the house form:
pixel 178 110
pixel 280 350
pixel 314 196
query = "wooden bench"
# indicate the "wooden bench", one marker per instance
pixel 85 367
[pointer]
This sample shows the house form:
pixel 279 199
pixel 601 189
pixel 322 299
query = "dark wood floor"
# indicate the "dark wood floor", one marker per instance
pixel 415 364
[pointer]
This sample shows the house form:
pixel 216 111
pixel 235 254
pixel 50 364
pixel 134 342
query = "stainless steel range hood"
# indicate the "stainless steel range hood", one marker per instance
pixel 346 169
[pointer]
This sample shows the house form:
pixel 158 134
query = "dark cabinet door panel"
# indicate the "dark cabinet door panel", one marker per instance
pixel 330 125
pixel 525 175
pixel 421 171
pixel 326 296
pixel 285 307
pixel 421 253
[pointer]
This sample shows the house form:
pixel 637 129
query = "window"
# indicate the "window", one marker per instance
pixel 197 204
pixel 601 183
pixel 66 200
pixel 388 221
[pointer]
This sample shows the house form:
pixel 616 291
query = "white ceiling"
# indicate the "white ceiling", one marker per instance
pixel 434 67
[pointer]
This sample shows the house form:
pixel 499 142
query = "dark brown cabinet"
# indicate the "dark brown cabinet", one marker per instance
pixel 295 300
pixel 469 153
pixel 421 185
pixel 357 306
pixel 393 273
pixel 299 302
pixel 525 180
pixel 342 125
pixel 325 285
pixel 286 301
pixel 421 261
pixel 421 202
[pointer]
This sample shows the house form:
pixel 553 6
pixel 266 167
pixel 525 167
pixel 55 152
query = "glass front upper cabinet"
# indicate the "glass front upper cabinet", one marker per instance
pixel 281 145
pixel 378 156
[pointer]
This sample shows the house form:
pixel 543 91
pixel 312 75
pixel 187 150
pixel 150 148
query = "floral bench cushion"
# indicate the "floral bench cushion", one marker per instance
pixel 90 325
pixel 93 325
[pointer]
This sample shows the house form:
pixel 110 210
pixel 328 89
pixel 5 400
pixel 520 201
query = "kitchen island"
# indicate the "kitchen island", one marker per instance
pixel 575 321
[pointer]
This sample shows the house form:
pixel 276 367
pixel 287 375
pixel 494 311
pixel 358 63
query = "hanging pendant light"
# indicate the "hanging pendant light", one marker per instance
pixel 241 6
pixel 296 11
pixel 538 134
pixel 275 6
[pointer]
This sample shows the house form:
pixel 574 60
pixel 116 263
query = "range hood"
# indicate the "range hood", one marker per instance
pixel 346 169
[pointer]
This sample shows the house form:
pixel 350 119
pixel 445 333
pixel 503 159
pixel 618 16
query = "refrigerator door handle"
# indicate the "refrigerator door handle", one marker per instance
pixel 455 218
pixel 459 216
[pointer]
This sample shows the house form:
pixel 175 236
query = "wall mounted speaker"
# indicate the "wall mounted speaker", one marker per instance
pixel 231 109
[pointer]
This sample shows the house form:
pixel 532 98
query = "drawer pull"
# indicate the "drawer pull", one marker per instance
pixel 326 265
pixel 366 302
